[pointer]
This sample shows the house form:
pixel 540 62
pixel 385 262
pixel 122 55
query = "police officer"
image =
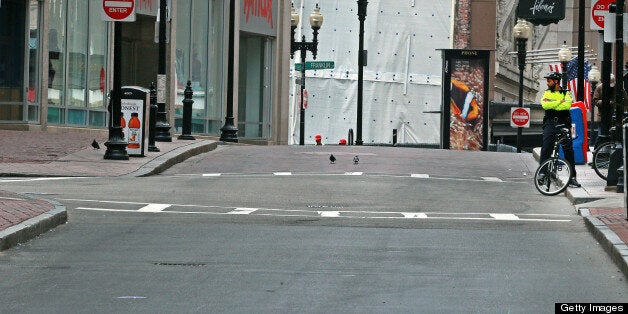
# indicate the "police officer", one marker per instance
pixel 556 102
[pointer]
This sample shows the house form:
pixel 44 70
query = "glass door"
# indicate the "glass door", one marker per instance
pixel 12 59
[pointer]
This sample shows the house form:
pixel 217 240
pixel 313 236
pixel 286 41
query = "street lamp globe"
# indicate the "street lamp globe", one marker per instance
pixel 522 30
pixel 594 75
pixel 564 54
pixel 294 17
pixel 316 18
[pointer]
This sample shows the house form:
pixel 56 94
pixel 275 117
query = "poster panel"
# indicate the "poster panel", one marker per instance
pixel 465 93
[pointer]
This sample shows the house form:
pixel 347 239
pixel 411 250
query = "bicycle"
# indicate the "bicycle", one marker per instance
pixel 602 154
pixel 553 175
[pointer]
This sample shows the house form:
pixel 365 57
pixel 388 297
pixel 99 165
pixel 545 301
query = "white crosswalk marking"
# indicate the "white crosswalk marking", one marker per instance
pixel 420 175
pixel 153 208
pixel 414 215
pixel 243 211
pixel 505 216
pixel 329 214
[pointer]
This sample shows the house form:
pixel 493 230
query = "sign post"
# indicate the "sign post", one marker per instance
pixel 117 11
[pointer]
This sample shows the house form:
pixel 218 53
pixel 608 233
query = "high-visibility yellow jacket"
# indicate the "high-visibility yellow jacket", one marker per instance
pixel 552 100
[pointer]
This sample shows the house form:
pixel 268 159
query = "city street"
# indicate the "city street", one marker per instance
pixel 281 229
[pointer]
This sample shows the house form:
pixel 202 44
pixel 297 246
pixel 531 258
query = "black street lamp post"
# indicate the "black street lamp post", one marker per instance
pixel 316 21
pixel 594 78
pixel 362 5
pixel 162 126
pixel 564 56
pixel 229 132
pixel 116 145
pixel 152 120
pixel 521 32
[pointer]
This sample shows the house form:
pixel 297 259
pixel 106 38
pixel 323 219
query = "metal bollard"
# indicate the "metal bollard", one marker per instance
pixel 394 137
pixel 350 136
pixel 152 119
pixel 186 133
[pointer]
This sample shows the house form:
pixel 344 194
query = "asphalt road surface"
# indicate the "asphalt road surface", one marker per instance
pixel 279 229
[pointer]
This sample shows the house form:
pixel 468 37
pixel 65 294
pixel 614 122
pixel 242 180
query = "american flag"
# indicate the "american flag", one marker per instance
pixel 572 78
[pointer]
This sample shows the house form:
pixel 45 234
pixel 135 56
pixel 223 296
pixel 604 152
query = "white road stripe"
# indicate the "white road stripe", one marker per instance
pixel 492 179
pixel 282 173
pixel 329 213
pixel 354 173
pixel 414 215
pixel 420 175
pixel 212 174
pixel 242 211
pixel 154 208
pixel 505 216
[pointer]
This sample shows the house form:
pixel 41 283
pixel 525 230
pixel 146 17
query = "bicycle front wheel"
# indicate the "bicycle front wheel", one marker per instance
pixel 552 176
pixel 602 158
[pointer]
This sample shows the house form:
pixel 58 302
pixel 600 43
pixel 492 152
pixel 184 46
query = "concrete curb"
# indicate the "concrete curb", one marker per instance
pixel 33 227
pixel 165 161
pixel 609 240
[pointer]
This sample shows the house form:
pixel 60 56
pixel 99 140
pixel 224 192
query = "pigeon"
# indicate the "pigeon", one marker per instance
pixel 95 145
pixel 356 160
pixel 332 158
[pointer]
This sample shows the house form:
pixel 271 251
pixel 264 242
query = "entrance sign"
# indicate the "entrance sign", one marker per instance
pixel 520 117
pixel 118 10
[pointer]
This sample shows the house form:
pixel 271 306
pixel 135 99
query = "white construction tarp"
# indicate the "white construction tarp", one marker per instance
pixel 402 79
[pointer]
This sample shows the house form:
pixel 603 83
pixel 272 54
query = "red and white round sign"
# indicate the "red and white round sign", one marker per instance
pixel 598 9
pixel 119 10
pixel 520 117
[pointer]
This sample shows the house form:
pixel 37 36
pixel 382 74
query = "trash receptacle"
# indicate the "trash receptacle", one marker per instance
pixel 135 100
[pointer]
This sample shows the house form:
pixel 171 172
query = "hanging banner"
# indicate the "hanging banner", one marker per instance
pixel 465 93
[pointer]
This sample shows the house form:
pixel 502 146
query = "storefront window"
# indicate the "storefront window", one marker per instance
pixel 56 56
pixel 33 62
pixel 77 51
pixel 12 28
pixel 198 59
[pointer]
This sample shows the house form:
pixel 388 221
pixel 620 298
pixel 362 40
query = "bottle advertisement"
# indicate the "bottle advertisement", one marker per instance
pixel 133 128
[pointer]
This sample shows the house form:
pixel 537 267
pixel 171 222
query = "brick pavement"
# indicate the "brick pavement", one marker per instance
pixel 15 208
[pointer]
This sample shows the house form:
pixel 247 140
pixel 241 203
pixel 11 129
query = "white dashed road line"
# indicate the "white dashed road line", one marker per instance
pixel 345 214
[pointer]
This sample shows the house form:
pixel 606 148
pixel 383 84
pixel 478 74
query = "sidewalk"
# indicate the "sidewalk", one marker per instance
pixel 43 154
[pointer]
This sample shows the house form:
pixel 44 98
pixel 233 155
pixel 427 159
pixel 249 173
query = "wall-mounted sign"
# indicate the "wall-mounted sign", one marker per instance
pixel 259 16
pixel 541 12
pixel 118 11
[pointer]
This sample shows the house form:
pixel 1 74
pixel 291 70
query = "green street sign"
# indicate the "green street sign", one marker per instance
pixel 314 65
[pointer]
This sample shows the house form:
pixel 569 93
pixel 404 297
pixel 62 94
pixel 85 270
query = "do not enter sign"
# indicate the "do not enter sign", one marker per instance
pixel 118 10
pixel 520 117
pixel 598 9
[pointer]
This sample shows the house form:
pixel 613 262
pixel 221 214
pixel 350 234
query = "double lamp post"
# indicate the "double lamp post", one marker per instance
pixel 316 21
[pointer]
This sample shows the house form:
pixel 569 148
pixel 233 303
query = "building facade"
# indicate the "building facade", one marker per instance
pixel 56 59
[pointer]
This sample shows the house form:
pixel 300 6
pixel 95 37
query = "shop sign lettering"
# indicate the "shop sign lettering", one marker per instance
pixel 259 8
pixel 541 12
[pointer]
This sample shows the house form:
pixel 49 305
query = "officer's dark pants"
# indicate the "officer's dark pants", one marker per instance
pixel 549 137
